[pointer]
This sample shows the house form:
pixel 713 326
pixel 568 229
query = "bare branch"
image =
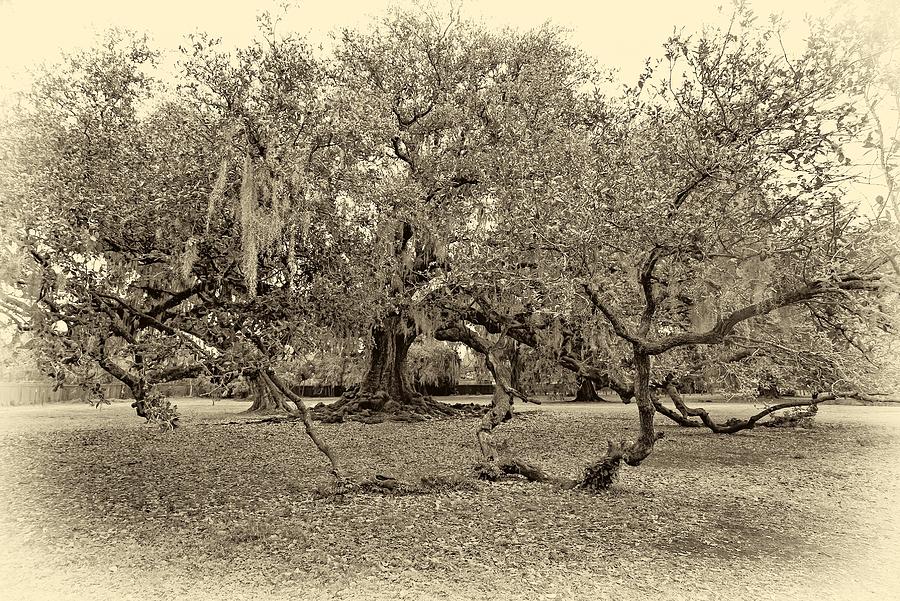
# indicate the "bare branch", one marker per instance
pixel 276 385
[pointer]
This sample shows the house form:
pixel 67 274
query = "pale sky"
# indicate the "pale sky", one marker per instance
pixel 620 34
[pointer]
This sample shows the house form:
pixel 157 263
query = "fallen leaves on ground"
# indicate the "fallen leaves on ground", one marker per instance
pixel 109 508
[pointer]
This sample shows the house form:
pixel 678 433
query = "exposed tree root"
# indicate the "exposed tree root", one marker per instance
pixel 279 418
pixel 379 407
pixel 284 414
pixel 601 474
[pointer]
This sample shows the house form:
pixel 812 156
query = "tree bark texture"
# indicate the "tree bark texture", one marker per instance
pixel 265 400
pixel 387 370
pixel 643 446
pixel 500 359
pixel 386 392
pixel 601 474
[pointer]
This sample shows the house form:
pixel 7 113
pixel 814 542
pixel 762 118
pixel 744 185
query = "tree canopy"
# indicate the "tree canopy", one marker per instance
pixel 494 188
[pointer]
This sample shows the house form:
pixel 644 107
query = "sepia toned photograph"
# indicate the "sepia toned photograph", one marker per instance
pixel 449 300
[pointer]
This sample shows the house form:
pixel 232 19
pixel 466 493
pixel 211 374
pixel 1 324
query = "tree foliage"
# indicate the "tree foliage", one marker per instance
pixel 278 208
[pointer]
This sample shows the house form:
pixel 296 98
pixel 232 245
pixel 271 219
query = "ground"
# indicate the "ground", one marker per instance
pixel 97 505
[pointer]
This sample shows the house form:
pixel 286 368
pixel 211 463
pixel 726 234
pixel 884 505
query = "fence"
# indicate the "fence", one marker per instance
pixel 38 393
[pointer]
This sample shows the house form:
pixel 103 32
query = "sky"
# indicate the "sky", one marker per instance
pixel 620 34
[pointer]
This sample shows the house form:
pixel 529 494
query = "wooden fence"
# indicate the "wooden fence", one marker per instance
pixel 38 393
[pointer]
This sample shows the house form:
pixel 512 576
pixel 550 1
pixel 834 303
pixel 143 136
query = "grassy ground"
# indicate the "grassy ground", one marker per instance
pixel 98 506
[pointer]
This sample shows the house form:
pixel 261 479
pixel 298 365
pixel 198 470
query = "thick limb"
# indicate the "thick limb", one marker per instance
pixel 643 446
pixel 686 415
pixel 601 474
pixel 498 359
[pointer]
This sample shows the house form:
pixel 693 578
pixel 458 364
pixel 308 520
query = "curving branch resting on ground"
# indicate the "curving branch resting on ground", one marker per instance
pixel 495 461
pixel 279 388
pixel 684 416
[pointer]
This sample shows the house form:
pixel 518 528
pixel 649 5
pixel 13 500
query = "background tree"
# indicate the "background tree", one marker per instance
pixel 267 109
pixel 102 218
pixel 442 105
pixel 434 366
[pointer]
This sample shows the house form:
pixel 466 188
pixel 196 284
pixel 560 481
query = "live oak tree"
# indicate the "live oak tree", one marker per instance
pixel 267 108
pixel 763 160
pixel 490 188
pixel 441 106
pixel 433 365
pixel 701 201
pixel 95 205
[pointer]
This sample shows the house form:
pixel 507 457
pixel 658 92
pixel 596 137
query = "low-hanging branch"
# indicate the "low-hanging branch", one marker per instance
pixel 278 387
pixel 194 341
pixel 685 414
pixel 133 382
pixel 460 333
pixel 522 330
pixel 866 397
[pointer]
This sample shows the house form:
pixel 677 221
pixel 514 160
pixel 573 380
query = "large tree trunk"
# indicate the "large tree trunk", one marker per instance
pixel 386 391
pixel 264 399
pixel 587 392
pixel 387 371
